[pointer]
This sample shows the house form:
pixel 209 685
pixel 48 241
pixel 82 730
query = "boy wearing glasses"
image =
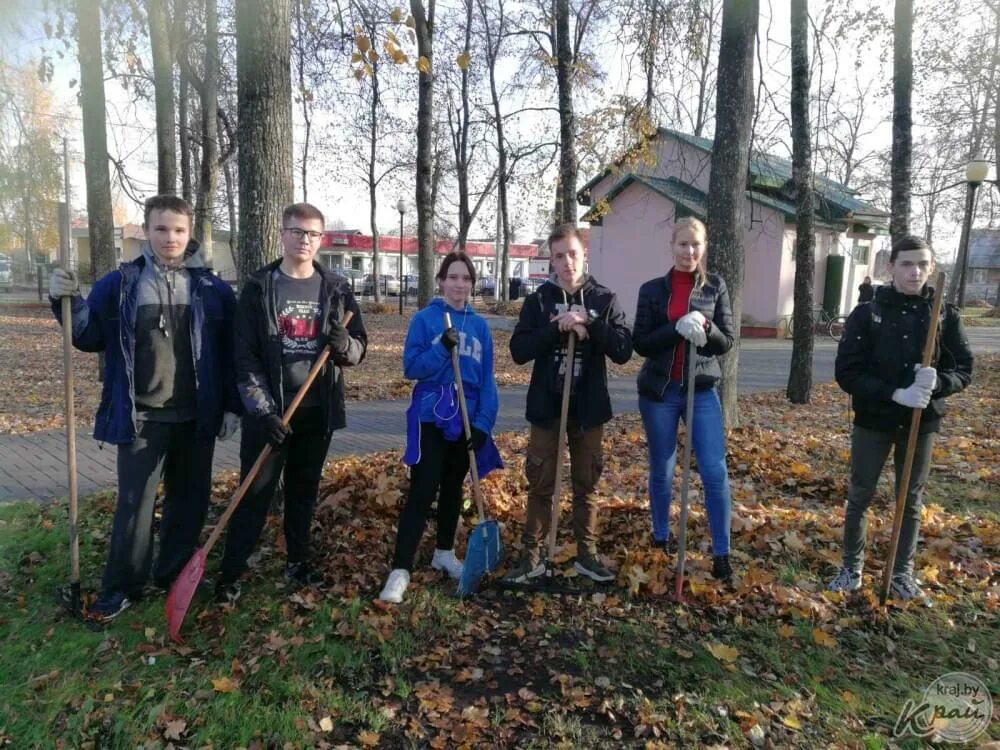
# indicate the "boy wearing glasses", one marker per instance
pixel 288 312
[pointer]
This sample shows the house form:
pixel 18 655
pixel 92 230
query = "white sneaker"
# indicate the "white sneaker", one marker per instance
pixel 444 559
pixel 395 586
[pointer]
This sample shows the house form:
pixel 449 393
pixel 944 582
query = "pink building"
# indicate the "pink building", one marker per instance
pixel 632 212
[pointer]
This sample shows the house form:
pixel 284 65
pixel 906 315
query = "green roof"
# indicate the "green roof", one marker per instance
pixel 770 185
pixel 689 197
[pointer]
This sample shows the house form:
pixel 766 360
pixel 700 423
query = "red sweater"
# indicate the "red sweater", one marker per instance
pixel 681 286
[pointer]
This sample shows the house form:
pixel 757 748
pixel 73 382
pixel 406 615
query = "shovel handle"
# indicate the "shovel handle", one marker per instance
pixel 911 446
pixel 267 450
pixel 685 477
pixel 563 417
pixel 477 492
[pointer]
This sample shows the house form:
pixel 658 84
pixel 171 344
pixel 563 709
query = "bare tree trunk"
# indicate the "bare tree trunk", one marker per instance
pixel 902 119
pixel 264 123
pixel 95 139
pixel 566 198
pixel 424 27
pixel 163 90
pixel 304 99
pixel 205 209
pixel 503 223
pixel 372 180
pixel 180 31
pixel 703 89
pixel 460 141
pixel 800 373
pixel 184 137
pixel 727 183
pixel 227 172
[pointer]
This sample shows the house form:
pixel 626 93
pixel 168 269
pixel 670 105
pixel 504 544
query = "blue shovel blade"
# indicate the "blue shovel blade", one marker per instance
pixel 484 553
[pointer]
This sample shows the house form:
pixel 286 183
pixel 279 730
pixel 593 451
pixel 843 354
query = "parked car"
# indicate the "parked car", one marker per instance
pixel 410 284
pixel 387 283
pixel 6 273
pixel 485 286
pixel 353 275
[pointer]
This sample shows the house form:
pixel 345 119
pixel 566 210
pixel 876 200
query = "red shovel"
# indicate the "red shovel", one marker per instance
pixel 184 587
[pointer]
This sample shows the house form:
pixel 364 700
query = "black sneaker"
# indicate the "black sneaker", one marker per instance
pixel 660 544
pixel 108 606
pixel 589 564
pixel 301 574
pixel 721 569
pixel 228 591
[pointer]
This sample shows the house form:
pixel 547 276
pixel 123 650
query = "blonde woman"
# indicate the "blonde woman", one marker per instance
pixel 685 312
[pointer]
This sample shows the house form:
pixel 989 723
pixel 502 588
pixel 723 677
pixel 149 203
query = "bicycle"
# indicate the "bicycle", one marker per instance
pixel 824 324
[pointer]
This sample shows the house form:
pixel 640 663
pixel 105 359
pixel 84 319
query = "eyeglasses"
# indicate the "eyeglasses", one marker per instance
pixel 300 233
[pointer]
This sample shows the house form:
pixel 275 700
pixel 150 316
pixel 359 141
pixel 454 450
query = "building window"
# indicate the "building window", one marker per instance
pixel 860 252
pixel 979 276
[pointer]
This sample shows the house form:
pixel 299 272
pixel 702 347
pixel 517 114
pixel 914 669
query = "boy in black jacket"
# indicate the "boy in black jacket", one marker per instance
pixel 288 311
pixel 878 363
pixel 573 302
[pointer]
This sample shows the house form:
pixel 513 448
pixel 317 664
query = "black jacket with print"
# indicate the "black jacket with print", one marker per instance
pixel 537 337
pixel 655 337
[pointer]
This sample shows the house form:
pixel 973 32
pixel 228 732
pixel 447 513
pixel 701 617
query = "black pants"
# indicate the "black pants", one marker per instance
pixel 175 453
pixel 869 451
pixel 301 456
pixel 443 465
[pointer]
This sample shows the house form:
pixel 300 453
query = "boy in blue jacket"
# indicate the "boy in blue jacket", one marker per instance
pixel 436 445
pixel 165 325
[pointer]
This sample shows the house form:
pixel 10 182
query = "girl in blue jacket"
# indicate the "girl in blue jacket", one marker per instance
pixel 436 447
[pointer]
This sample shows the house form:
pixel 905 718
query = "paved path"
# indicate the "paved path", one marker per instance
pixel 32 467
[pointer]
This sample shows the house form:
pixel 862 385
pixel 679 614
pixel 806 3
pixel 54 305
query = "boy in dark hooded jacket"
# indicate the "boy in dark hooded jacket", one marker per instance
pixel 573 301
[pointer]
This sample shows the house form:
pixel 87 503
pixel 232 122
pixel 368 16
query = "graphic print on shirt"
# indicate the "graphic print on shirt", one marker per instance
pixel 298 322
pixel 559 355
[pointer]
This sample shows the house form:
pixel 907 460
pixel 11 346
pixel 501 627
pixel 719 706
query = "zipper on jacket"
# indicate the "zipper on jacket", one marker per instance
pixel 129 365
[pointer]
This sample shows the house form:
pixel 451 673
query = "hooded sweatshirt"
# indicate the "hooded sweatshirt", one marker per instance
pixel 426 360
pixel 165 384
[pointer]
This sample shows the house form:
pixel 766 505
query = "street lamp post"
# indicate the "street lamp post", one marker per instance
pixel 401 207
pixel 975 174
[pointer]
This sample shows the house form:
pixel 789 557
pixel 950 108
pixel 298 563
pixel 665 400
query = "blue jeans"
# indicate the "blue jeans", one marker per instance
pixel 660 419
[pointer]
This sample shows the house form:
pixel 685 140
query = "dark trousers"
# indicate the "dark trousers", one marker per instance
pixel 869 450
pixel 586 463
pixel 301 457
pixel 175 453
pixel 442 466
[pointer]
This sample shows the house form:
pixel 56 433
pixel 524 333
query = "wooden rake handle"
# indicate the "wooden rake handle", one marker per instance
pixel 477 492
pixel 563 416
pixel 911 445
pixel 686 476
pixel 267 450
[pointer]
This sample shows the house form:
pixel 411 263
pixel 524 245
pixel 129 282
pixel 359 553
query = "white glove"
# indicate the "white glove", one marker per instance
pixel 230 424
pixel 692 328
pixel 926 377
pixel 63 283
pixel 914 397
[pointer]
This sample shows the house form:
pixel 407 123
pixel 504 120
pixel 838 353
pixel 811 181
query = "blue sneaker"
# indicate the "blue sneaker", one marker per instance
pixel 108 606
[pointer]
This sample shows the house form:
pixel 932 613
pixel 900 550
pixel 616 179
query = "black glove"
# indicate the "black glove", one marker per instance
pixel 450 339
pixel 478 439
pixel 338 339
pixel 275 429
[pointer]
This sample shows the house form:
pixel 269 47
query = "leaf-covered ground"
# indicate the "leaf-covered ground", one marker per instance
pixel 776 662
pixel 31 391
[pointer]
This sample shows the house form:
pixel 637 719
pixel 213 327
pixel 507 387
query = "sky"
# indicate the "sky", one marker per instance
pixel 132 139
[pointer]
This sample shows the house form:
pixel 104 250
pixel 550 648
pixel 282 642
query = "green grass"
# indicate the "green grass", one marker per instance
pixel 645 665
